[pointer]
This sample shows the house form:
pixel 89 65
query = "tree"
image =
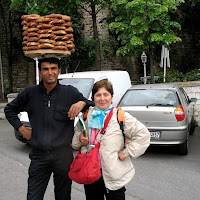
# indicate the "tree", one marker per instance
pixel 95 6
pixel 8 39
pixel 144 24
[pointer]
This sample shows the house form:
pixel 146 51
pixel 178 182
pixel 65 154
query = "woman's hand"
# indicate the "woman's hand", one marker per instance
pixel 121 155
pixel 83 140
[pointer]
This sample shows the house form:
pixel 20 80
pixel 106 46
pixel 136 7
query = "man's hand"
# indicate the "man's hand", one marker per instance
pixel 26 132
pixel 75 109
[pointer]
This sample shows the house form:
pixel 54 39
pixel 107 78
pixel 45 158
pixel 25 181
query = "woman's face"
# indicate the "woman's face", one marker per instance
pixel 102 98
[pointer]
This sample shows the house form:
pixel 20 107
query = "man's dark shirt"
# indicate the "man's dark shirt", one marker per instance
pixel 48 114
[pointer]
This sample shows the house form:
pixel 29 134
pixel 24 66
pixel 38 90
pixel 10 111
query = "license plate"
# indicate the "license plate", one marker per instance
pixel 155 135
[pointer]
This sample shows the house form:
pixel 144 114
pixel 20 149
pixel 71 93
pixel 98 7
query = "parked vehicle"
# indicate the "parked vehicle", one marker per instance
pixel 166 110
pixel 84 82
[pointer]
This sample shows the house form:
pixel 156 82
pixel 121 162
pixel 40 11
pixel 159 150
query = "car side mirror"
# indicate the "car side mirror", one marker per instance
pixel 193 100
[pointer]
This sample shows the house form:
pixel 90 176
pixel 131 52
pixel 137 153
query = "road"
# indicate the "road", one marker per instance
pixel 160 172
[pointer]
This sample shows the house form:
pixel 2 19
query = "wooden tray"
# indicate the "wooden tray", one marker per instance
pixel 46 53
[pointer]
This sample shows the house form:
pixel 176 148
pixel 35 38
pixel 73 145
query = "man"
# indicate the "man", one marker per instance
pixel 51 108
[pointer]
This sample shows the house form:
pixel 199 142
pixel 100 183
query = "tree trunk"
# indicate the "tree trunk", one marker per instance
pixel 8 45
pixel 96 37
pixel 10 59
pixel 151 65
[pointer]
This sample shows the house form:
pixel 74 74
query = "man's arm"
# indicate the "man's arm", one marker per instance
pixel 75 109
pixel 12 110
pixel 82 105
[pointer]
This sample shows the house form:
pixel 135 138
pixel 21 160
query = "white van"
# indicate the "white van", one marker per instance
pixel 84 82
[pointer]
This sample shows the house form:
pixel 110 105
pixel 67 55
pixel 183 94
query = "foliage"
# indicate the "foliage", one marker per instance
pixel 176 76
pixel 45 7
pixel 193 75
pixel 194 2
pixel 75 62
pixel 143 23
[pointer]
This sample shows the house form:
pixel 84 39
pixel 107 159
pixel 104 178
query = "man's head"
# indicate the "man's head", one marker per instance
pixel 51 60
pixel 49 71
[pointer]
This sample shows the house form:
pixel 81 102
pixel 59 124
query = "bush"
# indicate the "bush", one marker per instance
pixel 176 76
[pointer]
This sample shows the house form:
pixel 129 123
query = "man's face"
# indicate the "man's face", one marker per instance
pixel 49 72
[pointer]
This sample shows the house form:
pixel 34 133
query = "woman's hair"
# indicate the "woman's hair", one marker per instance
pixel 51 60
pixel 102 83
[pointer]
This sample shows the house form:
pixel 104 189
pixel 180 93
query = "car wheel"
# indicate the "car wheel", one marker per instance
pixel 193 125
pixel 183 148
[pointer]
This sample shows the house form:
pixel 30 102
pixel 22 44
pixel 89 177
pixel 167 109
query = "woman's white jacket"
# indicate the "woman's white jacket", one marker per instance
pixel 117 173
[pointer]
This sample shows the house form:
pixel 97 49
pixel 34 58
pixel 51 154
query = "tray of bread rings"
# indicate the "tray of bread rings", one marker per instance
pixel 46 53
pixel 50 35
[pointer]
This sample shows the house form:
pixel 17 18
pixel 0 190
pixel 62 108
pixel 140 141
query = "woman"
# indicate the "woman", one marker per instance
pixel 117 168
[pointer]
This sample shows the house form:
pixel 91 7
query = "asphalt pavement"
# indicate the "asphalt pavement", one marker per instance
pixel 160 172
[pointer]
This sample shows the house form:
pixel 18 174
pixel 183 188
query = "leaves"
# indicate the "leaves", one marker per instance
pixel 143 23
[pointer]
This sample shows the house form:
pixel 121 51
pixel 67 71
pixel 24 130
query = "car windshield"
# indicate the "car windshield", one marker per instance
pixel 84 85
pixel 150 97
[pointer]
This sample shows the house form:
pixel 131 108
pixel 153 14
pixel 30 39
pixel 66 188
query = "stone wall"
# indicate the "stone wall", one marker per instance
pixel 23 70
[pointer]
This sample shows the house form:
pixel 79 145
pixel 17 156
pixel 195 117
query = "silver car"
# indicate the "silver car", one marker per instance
pixel 165 109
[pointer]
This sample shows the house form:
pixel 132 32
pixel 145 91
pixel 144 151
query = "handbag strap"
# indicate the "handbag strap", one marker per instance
pixel 107 120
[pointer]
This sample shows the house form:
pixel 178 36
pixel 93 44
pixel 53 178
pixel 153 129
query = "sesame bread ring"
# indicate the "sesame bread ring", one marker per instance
pixel 33 39
pixel 24 43
pixel 32 30
pixel 31 18
pixel 24 22
pixel 58 16
pixel 43 20
pixel 70 35
pixel 60 43
pixel 70 46
pixel 25 28
pixel 25 33
pixel 24 16
pixel 24 48
pixel 32 44
pixel 67 24
pixel 57 21
pixel 63 38
pixel 32 24
pixel 46 46
pixel 69 42
pixel 69 30
pixel 59 32
pixel 32 34
pixel 72 50
pixel 71 39
pixel 66 18
pixel 32 15
pixel 43 31
pixel 43 25
pixel 60 48
pixel 55 28
pixel 32 48
pixel 25 38
pixel 45 35
pixel 46 41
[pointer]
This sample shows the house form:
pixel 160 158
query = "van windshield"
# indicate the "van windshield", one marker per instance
pixel 84 85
